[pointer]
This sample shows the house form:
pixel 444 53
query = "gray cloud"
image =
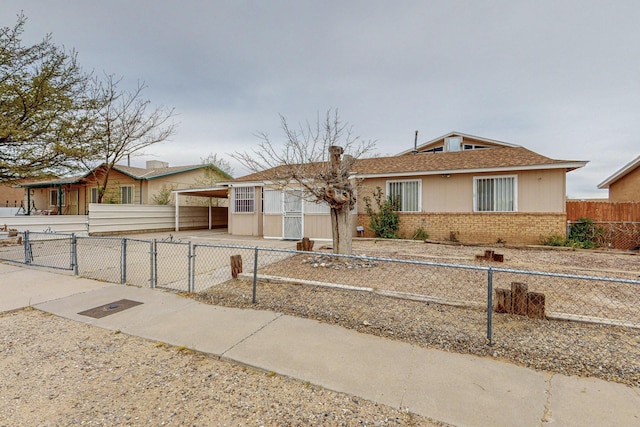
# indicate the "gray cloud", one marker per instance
pixel 558 77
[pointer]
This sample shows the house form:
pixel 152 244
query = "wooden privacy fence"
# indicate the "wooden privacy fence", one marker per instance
pixel 619 222
pixel 603 211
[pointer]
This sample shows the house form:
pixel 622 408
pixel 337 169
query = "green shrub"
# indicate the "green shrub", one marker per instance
pixel 384 221
pixel 555 240
pixel 585 234
pixel 420 234
pixel 164 195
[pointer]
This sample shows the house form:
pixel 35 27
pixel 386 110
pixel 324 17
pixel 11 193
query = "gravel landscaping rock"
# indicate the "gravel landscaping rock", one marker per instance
pixel 57 372
pixel 608 352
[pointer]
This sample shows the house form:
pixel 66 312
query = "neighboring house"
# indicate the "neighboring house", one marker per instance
pixel 456 187
pixel 624 184
pixel 10 195
pixel 127 185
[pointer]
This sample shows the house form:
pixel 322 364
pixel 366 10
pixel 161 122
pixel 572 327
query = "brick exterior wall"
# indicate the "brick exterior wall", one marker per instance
pixel 512 228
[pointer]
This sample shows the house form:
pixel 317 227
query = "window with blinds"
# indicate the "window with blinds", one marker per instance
pixel 244 199
pixel 126 194
pixel 272 200
pixel 406 194
pixel 495 194
pixel 93 197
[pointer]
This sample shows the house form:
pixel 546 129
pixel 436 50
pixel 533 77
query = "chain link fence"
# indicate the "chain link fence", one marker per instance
pixel 576 324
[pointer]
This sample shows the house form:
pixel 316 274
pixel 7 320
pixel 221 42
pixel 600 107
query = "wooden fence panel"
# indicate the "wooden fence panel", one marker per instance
pixel 603 211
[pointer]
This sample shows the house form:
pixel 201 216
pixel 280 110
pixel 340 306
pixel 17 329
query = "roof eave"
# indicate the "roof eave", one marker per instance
pixel 620 173
pixel 569 166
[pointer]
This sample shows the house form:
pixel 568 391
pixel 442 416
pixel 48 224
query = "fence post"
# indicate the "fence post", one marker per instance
pixel 153 273
pixel 255 275
pixel 490 306
pixel 28 255
pixel 123 262
pixel 74 254
pixel 191 267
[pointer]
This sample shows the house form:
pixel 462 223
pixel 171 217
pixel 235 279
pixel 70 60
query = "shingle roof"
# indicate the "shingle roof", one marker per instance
pixel 133 172
pixel 507 158
pixel 142 173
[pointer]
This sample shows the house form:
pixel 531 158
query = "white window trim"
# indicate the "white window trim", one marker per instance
pixel 475 192
pixel 419 181
pixel 133 197
pixel 234 199
pixel 91 189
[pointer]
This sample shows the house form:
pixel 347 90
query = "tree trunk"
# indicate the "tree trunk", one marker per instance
pixel 341 230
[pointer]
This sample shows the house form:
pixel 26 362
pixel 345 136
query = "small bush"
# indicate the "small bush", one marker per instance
pixel 554 240
pixel 420 234
pixel 583 235
pixel 384 221
pixel 586 234
pixel 164 195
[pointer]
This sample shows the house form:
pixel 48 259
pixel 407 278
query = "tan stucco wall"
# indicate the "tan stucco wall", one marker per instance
pixel 317 226
pixel 627 188
pixel 272 225
pixel 538 191
pixel 245 224
pixel 11 197
pixel 542 191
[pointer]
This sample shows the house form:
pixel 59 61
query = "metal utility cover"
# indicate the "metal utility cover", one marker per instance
pixel 107 309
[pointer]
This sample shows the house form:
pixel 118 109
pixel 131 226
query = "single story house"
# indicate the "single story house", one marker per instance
pixel 624 184
pixel 455 187
pixel 127 185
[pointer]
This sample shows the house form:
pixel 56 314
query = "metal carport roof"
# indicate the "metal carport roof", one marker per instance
pixel 219 192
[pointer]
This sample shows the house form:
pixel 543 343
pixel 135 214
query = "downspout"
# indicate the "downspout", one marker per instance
pixel 141 192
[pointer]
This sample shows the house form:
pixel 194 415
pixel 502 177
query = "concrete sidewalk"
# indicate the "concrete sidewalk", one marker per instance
pixel 458 389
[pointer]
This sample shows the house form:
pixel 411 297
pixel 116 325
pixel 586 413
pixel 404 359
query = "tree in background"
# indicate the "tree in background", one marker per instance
pixel 316 158
pixel 57 119
pixel 216 169
pixel 124 123
pixel 44 105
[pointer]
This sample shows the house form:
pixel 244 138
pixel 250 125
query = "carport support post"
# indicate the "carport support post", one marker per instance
pixel 123 262
pixel 490 306
pixel 255 275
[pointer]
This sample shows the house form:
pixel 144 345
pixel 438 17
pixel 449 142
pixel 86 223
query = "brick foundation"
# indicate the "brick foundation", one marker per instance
pixel 509 227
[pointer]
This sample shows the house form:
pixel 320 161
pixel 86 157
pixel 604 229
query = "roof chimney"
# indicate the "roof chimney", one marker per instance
pixel 415 144
pixel 156 164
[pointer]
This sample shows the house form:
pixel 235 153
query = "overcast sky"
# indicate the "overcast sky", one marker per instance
pixel 561 78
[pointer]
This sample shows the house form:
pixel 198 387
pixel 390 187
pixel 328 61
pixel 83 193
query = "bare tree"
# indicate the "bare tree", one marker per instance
pixel 318 159
pixel 124 124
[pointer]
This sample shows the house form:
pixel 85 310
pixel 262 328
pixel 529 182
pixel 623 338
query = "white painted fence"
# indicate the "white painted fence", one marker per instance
pixel 60 223
pixel 114 219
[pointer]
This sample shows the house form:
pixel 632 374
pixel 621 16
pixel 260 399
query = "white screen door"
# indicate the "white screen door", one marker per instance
pixel 292 215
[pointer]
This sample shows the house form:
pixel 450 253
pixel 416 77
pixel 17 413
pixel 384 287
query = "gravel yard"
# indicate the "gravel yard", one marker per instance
pixel 57 372
pixel 608 352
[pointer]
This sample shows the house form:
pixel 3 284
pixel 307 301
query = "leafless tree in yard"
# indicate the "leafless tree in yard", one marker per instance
pixel 125 124
pixel 317 158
